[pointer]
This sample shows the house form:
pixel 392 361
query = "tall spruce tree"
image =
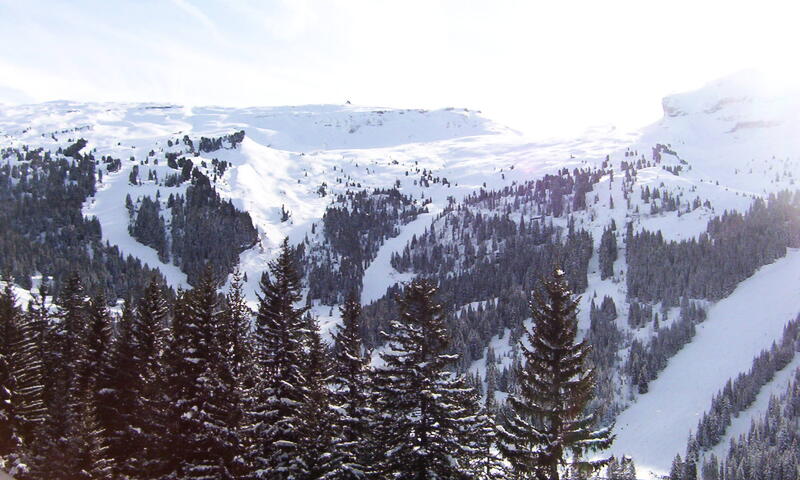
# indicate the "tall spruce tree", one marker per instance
pixel 607 253
pixel 351 392
pixel 37 326
pixel 93 457
pixel 237 332
pixel 21 408
pixel 421 416
pixel 318 452
pixel 117 401
pixel 9 439
pixel 548 429
pixel 237 317
pixel 65 353
pixel 148 337
pixel 486 462
pixel 279 397
pixel 98 349
pixel 215 450
pixel 180 372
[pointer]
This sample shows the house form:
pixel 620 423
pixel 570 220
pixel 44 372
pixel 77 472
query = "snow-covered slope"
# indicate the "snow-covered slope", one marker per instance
pixel 738 131
pixel 287 154
pixel 732 140
pixel 655 428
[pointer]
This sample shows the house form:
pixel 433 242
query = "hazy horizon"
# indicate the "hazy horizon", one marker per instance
pixel 545 70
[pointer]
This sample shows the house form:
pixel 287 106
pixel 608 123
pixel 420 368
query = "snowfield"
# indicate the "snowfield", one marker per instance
pixel 655 428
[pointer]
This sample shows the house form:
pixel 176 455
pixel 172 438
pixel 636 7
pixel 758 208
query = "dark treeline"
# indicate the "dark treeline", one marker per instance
pixel 43 230
pixel 645 361
pixel 206 230
pixel 606 339
pixel 479 250
pixel 202 388
pixel 203 229
pixel 208 145
pixel 711 266
pixel 770 450
pixel 354 228
pixel 740 393
pixel 472 258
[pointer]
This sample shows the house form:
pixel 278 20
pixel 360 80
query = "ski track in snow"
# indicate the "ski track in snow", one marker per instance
pixel 380 274
pixel 657 425
pixel 114 221
pixel 741 424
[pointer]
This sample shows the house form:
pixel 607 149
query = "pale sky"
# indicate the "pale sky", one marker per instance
pixel 542 67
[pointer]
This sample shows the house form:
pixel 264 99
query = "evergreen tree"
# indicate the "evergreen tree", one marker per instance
pixel 21 408
pixel 607 253
pixel 237 318
pixel 319 437
pixel 548 428
pixel 351 391
pixel 92 457
pixel 180 374
pixel 93 461
pixel 65 355
pixel 215 450
pixel 98 349
pixel 237 332
pixel 148 337
pixel 280 395
pixel 485 462
pixel 421 416
pixel 676 471
pixel 9 438
pixel 71 333
pixel 117 402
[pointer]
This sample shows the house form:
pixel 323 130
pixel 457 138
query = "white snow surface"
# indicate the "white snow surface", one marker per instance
pixel 739 327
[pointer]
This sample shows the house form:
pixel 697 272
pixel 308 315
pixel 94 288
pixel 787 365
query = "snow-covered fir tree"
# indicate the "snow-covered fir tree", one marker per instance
pixel 148 332
pixel 279 396
pixel 117 400
pixel 351 393
pixel 421 417
pixel 211 431
pixel 21 408
pixel 548 429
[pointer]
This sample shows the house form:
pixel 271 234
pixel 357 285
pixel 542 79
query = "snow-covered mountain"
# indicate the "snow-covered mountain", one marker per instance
pixel 715 150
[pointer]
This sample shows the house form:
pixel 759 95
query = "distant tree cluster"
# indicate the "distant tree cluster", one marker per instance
pixel 203 230
pixel 770 450
pixel 208 145
pixel 43 230
pixel 354 228
pixel 740 393
pixel 704 267
pixel 608 252
pixel 149 228
pixel 606 340
pixel 645 361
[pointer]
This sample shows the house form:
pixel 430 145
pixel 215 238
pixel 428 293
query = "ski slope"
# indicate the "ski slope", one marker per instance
pixel 114 222
pixel 657 425
pixel 741 425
